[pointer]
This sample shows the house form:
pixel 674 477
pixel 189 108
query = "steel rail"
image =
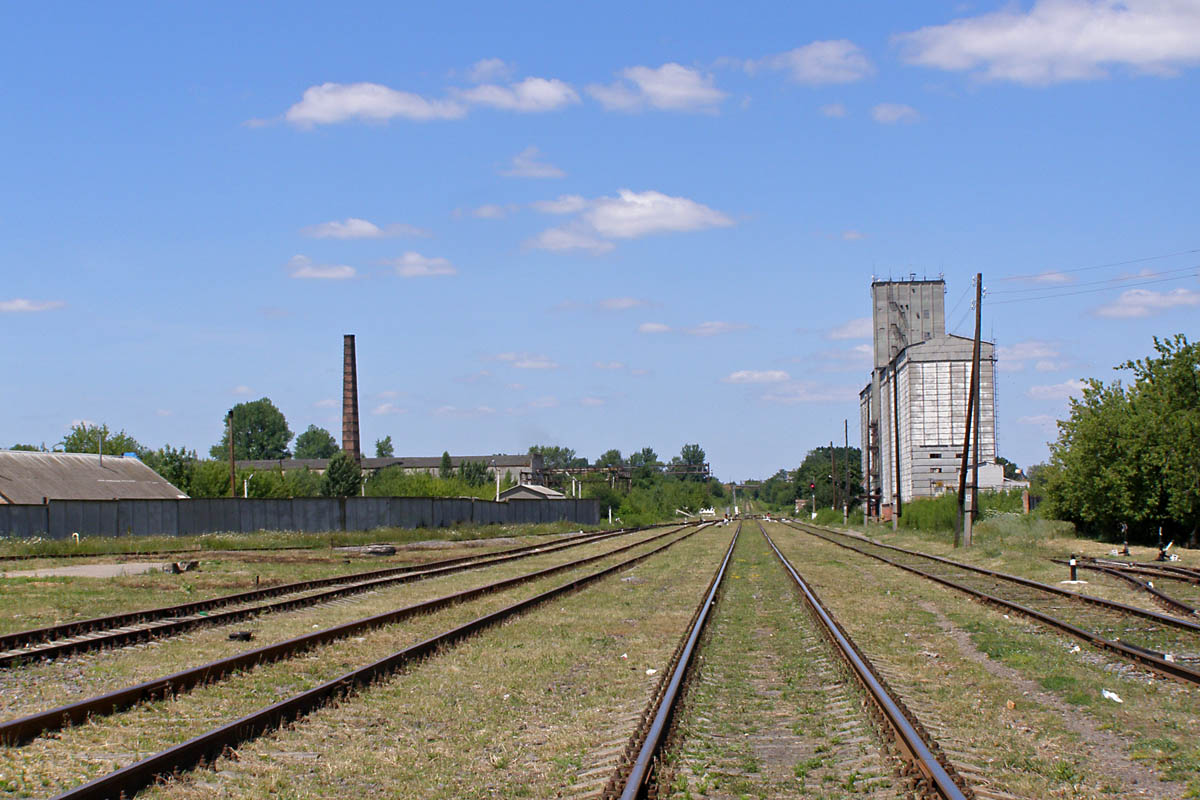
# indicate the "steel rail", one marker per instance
pixel 1099 602
pixel 640 772
pixel 1148 658
pixel 11 640
pixel 174 619
pixel 1160 596
pixel 906 733
pixel 1154 570
pixel 24 729
pixel 126 782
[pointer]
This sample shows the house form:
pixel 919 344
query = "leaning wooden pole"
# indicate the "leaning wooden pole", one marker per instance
pixel 896 441
pixel 833 474
pixel 962 535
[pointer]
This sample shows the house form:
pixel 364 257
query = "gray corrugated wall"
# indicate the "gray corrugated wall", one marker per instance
pixel 60 518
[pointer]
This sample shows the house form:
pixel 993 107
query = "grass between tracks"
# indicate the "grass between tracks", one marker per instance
pixel 1025 546
pixel 81 753
pixel 522 710
pixel 30 602
pixel 46 685
pixel 769 711
pixel 1023 701
pixel 281 540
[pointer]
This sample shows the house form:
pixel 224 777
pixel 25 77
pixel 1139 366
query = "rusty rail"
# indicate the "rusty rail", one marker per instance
pixel 914 742
pixel 209 746
pixel 641 755
pixel 1149 658
pixel 24 729
pixel 169 620
pixel 1159 596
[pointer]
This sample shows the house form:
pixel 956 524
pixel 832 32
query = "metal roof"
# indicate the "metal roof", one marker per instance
pixel 544 492
pixel 30 478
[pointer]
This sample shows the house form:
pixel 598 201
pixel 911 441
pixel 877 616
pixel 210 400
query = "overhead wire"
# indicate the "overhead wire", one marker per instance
pixel 1087 291
pixel 1098 266
pixel 1121 279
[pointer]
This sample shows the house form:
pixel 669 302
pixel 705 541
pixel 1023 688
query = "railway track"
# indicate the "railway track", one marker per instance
pixel 26 728
pixel 1166 601
pixel 641 773
pixel 1167 645
pixel 136 626
pixel 210 745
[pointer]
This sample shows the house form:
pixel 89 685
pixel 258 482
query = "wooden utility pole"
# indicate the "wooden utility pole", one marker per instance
pixel 833 474
pixel 232 465
pixel 846 455
pixel 963 535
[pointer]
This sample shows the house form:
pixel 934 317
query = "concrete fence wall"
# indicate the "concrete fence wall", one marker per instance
pixel 58 519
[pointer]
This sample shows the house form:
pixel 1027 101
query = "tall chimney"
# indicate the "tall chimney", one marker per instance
pixel 350 443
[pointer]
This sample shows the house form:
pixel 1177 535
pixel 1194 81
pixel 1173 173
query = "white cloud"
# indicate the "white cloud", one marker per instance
pixel 385 409
pixel 1049 365
pixel 352 228
pixel 528 361
pixel 489 69
pixel 415 265
pixel 1038 420
pixel 1135 303
pixel 620 303
pixel 633 214
pixel 1063 40
pixel 591 402
pixel 835 110
pixel 800 392
pixel 21 305
pixel 627 216
pixel 1052 278
pixel 608 365
pixel 714 328
pixel 560 239
pixel 564 204
pixel 857 328
pixel 331 103
pixel 671 87
pixel 757 376
pixel 835 61
pixel 303 268
pixel 525 164
pixel 491 211
pixel 163 412
pixel 892 113
pixel 241 390
pixel 854 358
pixel 529 95
pixel 1012 358
pixel 549 401
pixel 328 402
pixel 853 236
pixel 1057 391
pixel 653 327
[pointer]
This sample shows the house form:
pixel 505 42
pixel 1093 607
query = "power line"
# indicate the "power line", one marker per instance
pixel 1087 291
pixel 1115 281
pixel 1098 266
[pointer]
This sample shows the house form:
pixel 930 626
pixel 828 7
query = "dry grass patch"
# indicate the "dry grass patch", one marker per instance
pixel 105 744
pixel 523 710
pixel 50 684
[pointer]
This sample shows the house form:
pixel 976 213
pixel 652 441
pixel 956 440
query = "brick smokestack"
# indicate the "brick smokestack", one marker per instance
pixel 350 441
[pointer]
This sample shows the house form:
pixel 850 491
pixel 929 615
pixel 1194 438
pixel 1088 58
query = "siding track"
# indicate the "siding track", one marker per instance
pixel 138 626
pixel 1168 645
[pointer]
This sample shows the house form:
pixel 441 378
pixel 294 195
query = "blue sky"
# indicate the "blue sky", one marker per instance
pixel 599 226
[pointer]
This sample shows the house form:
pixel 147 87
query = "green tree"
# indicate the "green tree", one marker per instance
pixel 260 431
pixel 343 476
pixel 315 443
pixel 554 457
pixel 692 455
pixel 446 470
pixel 85 438
pixel 383 448
pixel 610 458
pixel 1011 470
pixel 175 466
pixel 209 479
pixel 28 448
pixel 475 473
pixel 815 469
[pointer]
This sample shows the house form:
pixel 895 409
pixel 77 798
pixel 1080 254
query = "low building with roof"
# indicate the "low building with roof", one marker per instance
pixel 520 468
pixel 33 478
pixel 527 491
